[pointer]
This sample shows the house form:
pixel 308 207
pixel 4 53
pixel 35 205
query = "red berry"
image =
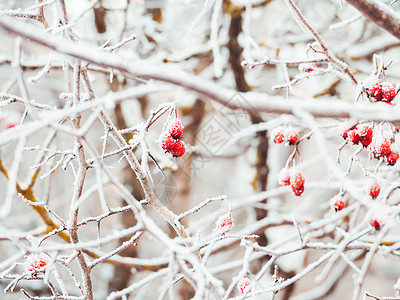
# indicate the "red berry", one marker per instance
pixel 380 146
pixel 297 180
pixel 175 128
pixel 376 223
pixel 167 142
pixel 337 203
pixel 392 157
pixel 11 125
pixel 298 191
pixel 388 91
pixel 278 135
pixel 365 133
pixel 291 135
pixel 179 149
pixel 35 263
pixel 373 189
pixel 42 262
pixel 284 177
pixel 344 134
pixel 297 183
pixel 225 223
pixel 306 67
pixel 244 285
pixel 347 126
pixel 366 140
pixel 375 91
pixel 353 136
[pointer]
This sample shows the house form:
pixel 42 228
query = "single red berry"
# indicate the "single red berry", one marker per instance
pixel 366 141
pixel 291 135
pixel 346 127
pixel 392 157
pixel 175 128
pixel 380 146
pixel 388 91
pixel 179 149
pixel 376 223
pixel 10 125
pixel 306 67
pixel 244 285
pixel 353 136
pixel 337 203
pixel 297 183
pixel 298 191
pixel 284 177
pixel 365 133
pixel 375 91
pixel 297 180
pixel 278 135
pixel 373 189
pixel 167 142
pixel 344 134
pixel 42 262
pixel 225 223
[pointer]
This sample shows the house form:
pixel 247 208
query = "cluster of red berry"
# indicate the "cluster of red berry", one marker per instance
pixel 284 134
pixel 378 144
pixel 359 133
pixel 170 140
pixel 294 179
pixel 35 263
pixel 379 91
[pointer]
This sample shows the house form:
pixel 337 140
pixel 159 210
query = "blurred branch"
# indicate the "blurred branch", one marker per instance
pixel 379 13
pixel 28 195
pixel 335 61
pixel 208 89
pixel 78 187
